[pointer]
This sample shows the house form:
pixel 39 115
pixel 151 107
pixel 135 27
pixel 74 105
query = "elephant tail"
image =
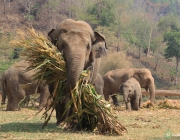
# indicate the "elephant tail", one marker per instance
pixel 3 82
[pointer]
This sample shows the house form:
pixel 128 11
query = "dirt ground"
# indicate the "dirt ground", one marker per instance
pixel 155 123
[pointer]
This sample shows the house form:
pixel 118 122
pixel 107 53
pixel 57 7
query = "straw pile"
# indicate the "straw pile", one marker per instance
pixel 90 111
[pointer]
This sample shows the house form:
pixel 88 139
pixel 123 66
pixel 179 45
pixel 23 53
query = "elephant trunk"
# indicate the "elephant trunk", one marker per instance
pixel 152 92
pixel 96 66
pixel 125 96
pixel 75 65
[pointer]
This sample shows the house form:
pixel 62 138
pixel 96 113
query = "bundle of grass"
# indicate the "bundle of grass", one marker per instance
pixel 89 109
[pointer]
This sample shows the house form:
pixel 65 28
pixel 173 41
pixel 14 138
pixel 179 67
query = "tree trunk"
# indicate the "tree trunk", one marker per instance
pixel 157 61
pixel 118 33
pixel 4 7
pixel 163 93
pixel 149 42
pixel 176 79
pixel 139 52
pixel 150 35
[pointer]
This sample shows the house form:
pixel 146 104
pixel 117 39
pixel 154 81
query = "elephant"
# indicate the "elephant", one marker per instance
pixel 17 83
pixel 114 78
pixel 82 49
pixel 131 91
pixel 99 85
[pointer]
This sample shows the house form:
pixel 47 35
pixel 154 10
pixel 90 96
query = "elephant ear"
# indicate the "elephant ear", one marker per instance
pixel 137 76
pixel 99 37
pixel 53 36
pixel 99 48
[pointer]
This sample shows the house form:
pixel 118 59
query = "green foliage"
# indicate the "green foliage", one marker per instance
pixel 172 40
pixel 138 34
pixel 5 53
pixel 15 53
pixel 83 14
pixel 168 22
pixel 157 43
pixel 53 4
pixel 159 1
pixel 104 12
pixel 5 65
pixel 172 73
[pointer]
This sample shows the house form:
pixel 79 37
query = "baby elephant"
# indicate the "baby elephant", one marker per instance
pixel 131 91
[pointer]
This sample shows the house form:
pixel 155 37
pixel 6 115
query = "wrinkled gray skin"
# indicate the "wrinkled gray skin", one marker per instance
pixel 131 92
pixel 114 78
pixel 1 97
pixel 81 49
pixel 14 85
pixel 99 85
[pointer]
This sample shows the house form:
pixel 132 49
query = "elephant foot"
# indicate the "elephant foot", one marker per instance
pixel 117 104
pixel 3 103
pixel 59 124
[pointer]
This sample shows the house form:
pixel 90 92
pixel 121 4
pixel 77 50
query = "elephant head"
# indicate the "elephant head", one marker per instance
pixel 80 46
pixel 74 39
pixel 126 91
pixel 145 79
pixel 99 50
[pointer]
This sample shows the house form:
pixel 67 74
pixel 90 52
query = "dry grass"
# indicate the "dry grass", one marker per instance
pixel 113 61
pixel 146 124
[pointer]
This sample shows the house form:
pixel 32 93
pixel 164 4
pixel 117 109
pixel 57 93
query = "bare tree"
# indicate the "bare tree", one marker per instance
pixel 29 6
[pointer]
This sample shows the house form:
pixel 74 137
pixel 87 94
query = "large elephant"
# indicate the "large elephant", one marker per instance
pixel 82 48
pixel 113 79
pixel 131 91
pixel 17 83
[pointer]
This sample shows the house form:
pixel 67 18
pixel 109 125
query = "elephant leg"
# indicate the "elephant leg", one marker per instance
pixel 18 95
pixel 58 112
pixel 128 106
pixel 99 90
pixel 135 104
pixel 44 95
pixel 115 101
pixel 15 102
pixel 10 100
pixel 132 104
pixel 60 116
pixel 106 97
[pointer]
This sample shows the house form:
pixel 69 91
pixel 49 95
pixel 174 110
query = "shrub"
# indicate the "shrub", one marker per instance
pixel 115 60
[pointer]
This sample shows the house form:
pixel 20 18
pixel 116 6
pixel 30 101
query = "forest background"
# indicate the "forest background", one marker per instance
pixel 139 33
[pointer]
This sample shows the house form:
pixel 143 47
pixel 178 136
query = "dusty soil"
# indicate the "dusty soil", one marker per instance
pixel 147 124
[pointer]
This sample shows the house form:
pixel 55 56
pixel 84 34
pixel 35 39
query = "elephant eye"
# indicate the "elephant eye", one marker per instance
pixel 129 90
pixel 63 45
pixel 88 47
